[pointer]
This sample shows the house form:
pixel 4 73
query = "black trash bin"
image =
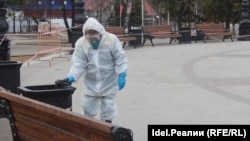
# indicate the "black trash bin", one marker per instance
pixel 136 32
pixel 10 75
pixel 185 34
pixel 50 94
pixel 244 30
pixel 5 51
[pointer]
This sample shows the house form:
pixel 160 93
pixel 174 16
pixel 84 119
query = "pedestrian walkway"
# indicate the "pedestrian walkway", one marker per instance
pixel 171 84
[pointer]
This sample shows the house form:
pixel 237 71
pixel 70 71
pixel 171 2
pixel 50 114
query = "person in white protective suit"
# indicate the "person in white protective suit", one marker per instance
pixel 100 58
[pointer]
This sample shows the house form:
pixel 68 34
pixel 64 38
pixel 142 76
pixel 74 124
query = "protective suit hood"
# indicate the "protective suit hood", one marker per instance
pixel 93 24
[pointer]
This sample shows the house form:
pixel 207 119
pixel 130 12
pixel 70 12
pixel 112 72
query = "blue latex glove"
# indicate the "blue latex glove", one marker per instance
pixel 121 80
pixel 70 79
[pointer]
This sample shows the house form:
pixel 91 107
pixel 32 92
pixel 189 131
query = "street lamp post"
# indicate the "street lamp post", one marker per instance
pixel 44 5
pixel 79 20
pixel 196 11
pixel 4 42
pixel 142 18
pixel 244 23
pixel 120 14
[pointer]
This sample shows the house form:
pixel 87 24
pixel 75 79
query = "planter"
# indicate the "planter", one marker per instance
pixel 10 75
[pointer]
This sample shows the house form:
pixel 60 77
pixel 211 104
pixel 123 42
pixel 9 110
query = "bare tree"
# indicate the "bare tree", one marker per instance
pixel 128 11
pixel 98 6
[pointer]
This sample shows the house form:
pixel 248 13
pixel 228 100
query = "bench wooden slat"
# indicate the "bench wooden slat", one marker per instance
pixel 159 32
pixel 35 127
pixel 208 30
pixel 81 130
pixel 26 137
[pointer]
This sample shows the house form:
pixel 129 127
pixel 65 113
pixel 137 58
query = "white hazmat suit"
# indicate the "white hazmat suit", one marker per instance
pixel 100 69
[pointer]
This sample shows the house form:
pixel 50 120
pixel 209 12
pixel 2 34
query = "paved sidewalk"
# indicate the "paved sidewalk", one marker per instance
pixel 171 84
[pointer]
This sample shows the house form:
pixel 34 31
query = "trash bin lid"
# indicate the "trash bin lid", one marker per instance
pixel 8 64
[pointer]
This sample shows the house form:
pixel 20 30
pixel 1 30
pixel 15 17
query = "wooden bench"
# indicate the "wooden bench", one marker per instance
pixel 159 32
pixel 120 33
pixel 209 30
pixel 32 120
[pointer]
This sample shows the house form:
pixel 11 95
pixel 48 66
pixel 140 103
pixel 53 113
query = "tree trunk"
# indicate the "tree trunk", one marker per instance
pixel 128 11
pixel 66 23
pixel 73 13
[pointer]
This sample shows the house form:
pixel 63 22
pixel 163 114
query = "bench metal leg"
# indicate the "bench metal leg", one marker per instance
pixel 227 36
pixel 134 44
pixel 151 40
pixel 231 38
pixel 124 43
pixel 148 37
pixel 144 40
pixel 179 40
pixel 205 38
pixel 171 39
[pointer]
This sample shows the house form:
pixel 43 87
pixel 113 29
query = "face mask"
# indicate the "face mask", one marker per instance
pixel 94 40
pixel 95 44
